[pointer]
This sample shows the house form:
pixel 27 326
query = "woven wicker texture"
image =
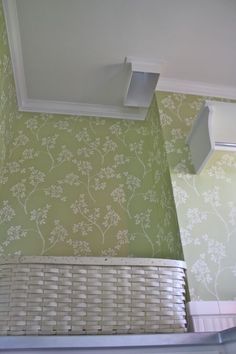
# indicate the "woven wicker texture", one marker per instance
pixel 51 298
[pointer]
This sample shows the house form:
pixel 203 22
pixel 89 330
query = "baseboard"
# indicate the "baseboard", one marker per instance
pixel 211 316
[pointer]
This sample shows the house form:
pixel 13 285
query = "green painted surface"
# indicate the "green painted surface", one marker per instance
pixel 93 186
pixel 206 203
pixel 82 186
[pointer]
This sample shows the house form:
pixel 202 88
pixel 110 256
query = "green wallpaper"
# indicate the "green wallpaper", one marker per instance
pixel 206 203
pixel 93 186
pixel 82 186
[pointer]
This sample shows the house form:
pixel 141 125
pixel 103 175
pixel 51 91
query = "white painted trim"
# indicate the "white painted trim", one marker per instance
pixel 82 109
pixel 76 108
pixel 14 39
pixel 196 88
pixel 49 106
pixel 118 261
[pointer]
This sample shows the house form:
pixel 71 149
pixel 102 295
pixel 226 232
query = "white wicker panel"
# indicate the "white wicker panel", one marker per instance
pixel 72 298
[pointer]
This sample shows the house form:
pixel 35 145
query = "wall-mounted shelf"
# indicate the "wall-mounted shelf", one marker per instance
pixel 214 129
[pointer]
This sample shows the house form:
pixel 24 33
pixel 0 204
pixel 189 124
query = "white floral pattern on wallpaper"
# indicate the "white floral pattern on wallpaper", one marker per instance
pixel 206 203
pixel 83 186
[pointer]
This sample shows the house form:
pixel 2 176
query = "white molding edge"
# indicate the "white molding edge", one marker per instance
pixel 49 106
pixel 14 40
pixel 118 261
pixel 196 88
pixel 82 109
pixel 76 108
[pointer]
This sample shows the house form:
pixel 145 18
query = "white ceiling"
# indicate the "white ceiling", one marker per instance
pixel 69 54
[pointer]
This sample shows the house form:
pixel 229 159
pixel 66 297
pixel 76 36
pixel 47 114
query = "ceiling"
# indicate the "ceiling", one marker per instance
pixel 68 55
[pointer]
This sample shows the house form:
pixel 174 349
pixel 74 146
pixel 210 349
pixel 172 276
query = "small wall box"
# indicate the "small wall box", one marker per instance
pixel 214 129
pixel 142 81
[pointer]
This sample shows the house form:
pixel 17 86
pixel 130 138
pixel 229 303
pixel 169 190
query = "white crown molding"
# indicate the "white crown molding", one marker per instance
pixel 196 88
pixel 14 40
pixel 82 109
pixel 48 106
pixel 76 108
